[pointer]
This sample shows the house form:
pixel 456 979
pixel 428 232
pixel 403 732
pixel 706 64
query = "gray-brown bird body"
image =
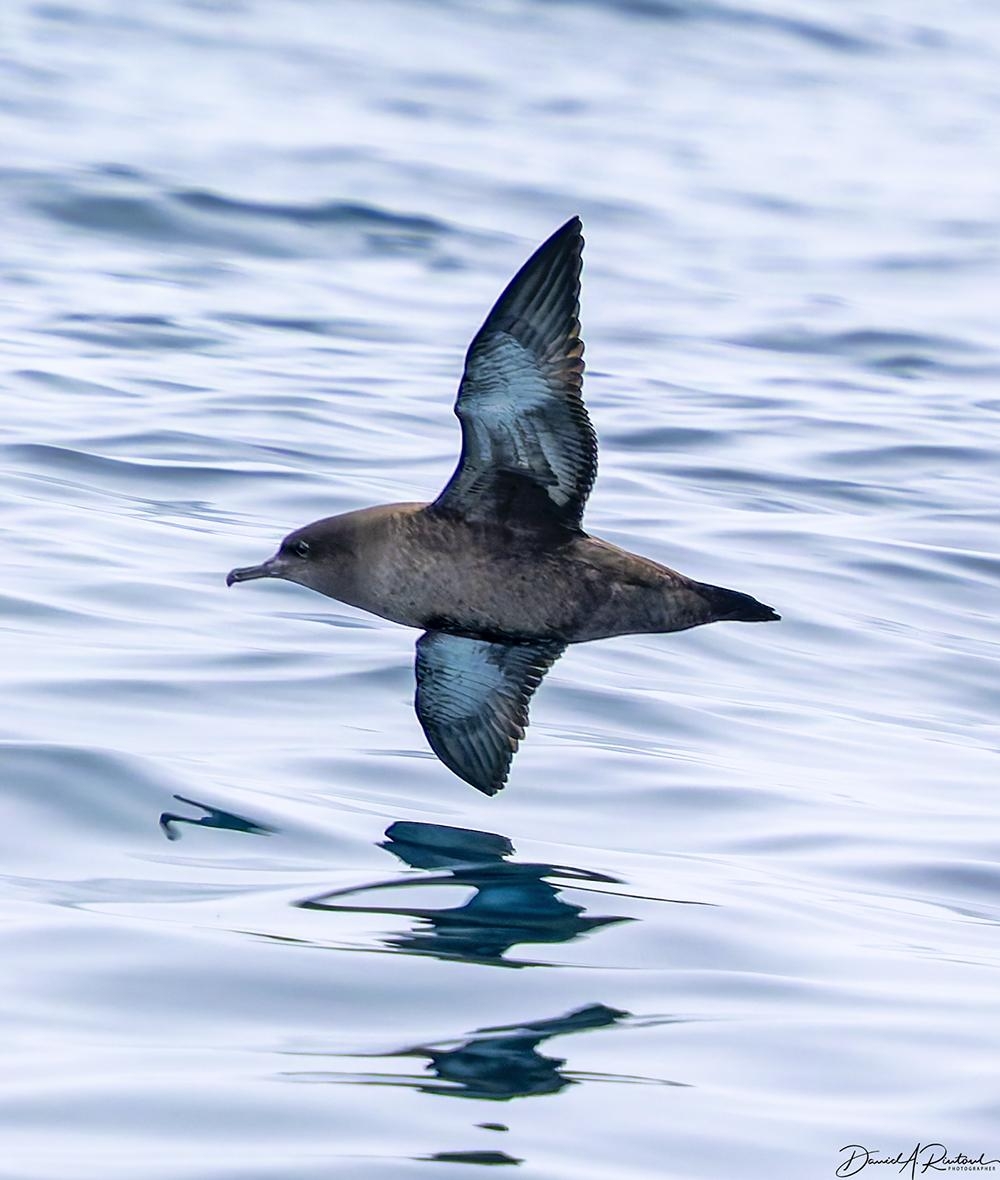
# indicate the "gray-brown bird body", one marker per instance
pixel 423 568
pixel 498 571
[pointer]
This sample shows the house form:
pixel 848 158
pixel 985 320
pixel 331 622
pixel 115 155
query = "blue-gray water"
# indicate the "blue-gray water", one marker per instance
pixel 743 885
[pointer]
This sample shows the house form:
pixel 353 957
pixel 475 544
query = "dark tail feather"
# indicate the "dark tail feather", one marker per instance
pixel 732 604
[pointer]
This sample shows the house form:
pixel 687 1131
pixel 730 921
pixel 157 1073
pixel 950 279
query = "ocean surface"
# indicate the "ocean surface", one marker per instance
pixel 738 907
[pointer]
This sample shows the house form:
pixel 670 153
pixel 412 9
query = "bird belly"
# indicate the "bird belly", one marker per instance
pixel 478 594
pixel 579 591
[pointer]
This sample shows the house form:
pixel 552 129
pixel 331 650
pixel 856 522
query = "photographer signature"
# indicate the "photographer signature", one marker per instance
pixel 923 1158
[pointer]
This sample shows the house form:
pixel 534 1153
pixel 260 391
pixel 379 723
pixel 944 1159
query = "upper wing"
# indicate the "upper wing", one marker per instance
pixel 529 452
pixel 472 701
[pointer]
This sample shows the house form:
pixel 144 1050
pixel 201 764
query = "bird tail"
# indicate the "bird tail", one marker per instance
pixel 733 605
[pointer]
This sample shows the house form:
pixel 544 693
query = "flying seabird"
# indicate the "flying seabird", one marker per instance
pixel 497 571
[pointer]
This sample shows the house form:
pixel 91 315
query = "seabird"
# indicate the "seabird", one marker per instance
pixel 498 572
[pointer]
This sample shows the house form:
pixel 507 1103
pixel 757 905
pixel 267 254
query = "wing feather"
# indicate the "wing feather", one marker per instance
pixel 472 701
pixel 529 452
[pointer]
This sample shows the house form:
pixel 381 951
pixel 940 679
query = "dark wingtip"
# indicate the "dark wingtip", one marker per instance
pixel 490 789
pixel 569 231
pixel 568 237
pixel 481 780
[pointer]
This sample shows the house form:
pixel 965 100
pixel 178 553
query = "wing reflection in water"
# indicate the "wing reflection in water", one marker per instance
pixel 499 1062
pixel 470 1157
pixel 512 902
pixel 214 817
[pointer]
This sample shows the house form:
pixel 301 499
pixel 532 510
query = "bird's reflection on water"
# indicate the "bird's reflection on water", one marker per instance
pixel 512 902
pixel 503 1061
pixel 497 1062
pixel 471 1157
pixel 214 817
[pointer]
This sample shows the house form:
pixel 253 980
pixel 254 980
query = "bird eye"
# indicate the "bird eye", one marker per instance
pixel 301 548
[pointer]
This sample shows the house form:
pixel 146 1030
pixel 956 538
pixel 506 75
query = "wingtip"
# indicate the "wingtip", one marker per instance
pixel 569 231
pixel 489 782
pixel 572 229
pixel 482 782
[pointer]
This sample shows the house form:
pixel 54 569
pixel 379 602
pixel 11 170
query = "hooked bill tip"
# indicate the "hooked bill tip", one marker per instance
pixel 249 572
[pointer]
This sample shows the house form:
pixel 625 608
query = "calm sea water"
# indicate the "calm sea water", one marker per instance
pixel 738 906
